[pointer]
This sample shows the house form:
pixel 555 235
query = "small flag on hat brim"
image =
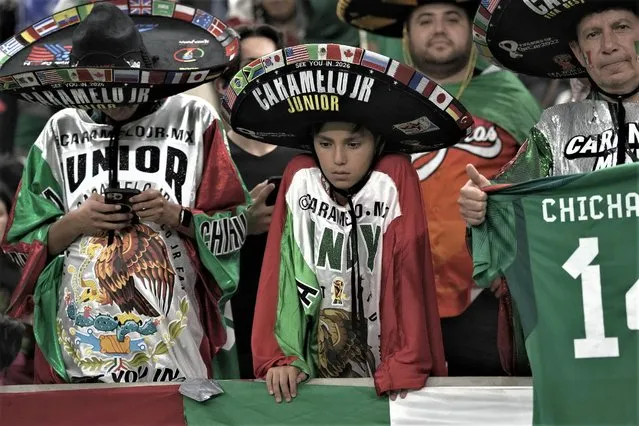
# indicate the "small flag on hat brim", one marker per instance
pixel 273 61
pixel 197 77
pixel 482 18
pixel 375 61
pixel 253 70
pixel 27 79
pixel 29 35
pixel 337 52
pixel 183 12
pixel 422 84
pixel 490 5
pixel 400 72
pixel 153 77
pixel 296 54
pixel 175 78
pixel 126 76
pixel 213 25
pixel 8 83
pixel 441 98
pixel 50 77
pixel 238 83
pixel 66 18
pixel 100 74
pixel 454 112
pixel 230 97
pixel 45 26
pixel 11 46
pixel 232 48
pixel 163 8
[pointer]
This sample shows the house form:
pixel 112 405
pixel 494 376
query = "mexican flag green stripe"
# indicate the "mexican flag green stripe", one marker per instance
pixel 248 403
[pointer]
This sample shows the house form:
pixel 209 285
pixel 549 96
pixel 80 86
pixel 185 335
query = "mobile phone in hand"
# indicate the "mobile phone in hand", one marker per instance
pixel 275 180
pixel 121 196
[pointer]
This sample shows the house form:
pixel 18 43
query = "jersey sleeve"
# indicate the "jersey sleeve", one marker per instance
pixel 220 211
pixel 534 160
pixel 411 340
pixel 287 296
pixel 494 244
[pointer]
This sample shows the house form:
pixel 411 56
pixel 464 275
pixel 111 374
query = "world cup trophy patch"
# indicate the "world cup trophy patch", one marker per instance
pixel 337 292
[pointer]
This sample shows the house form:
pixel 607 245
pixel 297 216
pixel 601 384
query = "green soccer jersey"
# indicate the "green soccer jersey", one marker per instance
pixel 568 246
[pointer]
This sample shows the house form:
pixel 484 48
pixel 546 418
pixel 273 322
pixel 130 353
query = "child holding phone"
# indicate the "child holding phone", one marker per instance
pixel 145 306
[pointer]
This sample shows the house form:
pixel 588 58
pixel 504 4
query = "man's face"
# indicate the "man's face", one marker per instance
pixel 121 113
pixel 606 48
pixel 440 39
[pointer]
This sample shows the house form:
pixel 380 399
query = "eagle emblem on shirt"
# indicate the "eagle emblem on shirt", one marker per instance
pixel 136 252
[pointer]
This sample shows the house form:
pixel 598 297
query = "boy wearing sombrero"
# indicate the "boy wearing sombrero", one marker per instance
pixel 565 237
pixel 437 40
pixel 346 288
pixel 130 213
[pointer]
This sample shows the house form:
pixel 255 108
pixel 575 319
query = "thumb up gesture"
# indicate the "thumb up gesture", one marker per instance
pixel 472 199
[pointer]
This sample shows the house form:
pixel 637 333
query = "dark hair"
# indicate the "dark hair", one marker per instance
pixel 261 30
pixel 317 128
pixel 468 10
pixel 253 30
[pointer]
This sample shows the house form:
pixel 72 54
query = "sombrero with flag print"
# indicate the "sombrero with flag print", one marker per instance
pixel 532 37
pixel 280 97
pixel 388 17
pixel 185 47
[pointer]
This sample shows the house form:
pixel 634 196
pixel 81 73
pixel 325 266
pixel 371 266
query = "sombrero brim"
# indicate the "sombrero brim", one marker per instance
pixel 190 46
pixel 532 40
pixel 387 18
pixel 279 98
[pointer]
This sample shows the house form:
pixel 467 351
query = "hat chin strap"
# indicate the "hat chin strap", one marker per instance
pixel 620 115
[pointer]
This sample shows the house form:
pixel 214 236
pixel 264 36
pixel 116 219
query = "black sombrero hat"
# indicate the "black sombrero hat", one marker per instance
pixel 124 52
pixel 387 17
pixel 279 98
pixel 533 37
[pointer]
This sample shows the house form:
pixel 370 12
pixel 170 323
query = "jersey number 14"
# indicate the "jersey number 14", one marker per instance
pixel 596 344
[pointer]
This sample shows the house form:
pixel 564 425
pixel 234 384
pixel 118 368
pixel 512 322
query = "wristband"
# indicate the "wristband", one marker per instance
pixel 186 217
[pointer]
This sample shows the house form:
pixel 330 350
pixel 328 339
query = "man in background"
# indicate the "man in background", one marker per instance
pixel 256 162
pixel 437 41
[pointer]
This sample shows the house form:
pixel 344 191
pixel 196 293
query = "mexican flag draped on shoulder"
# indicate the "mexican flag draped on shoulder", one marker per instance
pixel 144 303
